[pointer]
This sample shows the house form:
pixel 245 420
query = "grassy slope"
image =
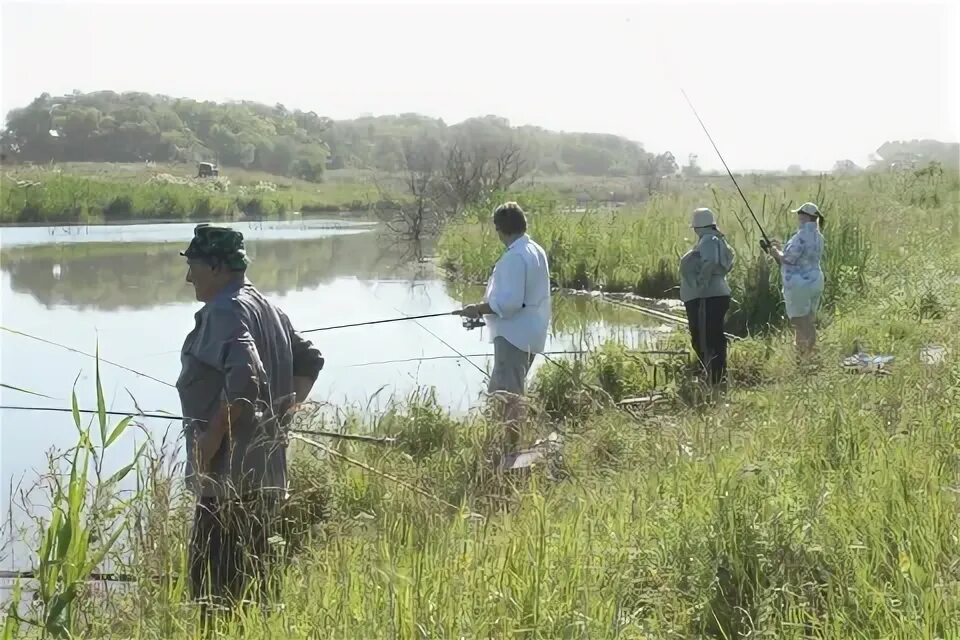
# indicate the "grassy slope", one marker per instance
pixel 82 192
pixel 74 192
pixel 822 505
pixel 810 506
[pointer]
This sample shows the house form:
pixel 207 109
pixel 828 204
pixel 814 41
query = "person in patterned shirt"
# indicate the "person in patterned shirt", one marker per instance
pixel 802 276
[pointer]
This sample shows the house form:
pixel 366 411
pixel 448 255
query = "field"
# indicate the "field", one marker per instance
pixel 807 504
pixel 96 192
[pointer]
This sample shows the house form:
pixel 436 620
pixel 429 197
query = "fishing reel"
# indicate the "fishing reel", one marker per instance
pixel 473 323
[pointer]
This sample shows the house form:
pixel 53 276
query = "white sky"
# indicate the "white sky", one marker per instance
pixel 775 83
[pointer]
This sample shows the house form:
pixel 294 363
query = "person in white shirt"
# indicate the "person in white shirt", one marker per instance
pixel 516 306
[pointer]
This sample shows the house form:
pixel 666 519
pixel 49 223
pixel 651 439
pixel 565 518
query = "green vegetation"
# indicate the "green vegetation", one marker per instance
pixel 83 528
pixel 105 126
pixel 637 249
pixel 99 193
pixel 277 161
pixel 806 505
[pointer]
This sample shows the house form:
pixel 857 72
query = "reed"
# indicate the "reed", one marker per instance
pixel 637 250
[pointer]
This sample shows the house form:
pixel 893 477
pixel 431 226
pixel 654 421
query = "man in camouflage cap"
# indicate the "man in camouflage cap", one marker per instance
pixel 244 368
pixel 222 243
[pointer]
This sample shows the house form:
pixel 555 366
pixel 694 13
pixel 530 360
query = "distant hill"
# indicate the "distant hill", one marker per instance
pixel 106 126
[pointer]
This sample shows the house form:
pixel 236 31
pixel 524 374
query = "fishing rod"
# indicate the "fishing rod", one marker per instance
pixel 729 173
pixel 164 416
pixel 660 314
pixel 164 382
pixel 93 577
pixel 372 322
pixel 382 474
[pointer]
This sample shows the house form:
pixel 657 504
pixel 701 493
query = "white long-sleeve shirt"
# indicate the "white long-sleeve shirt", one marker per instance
pixel 519 294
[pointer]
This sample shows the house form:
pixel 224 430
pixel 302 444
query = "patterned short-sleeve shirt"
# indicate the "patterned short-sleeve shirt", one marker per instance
pixel 801 257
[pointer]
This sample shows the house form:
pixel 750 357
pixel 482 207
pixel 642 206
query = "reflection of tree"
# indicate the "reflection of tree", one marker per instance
pixel 141 275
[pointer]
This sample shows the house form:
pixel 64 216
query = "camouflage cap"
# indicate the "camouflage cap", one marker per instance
pixel 221 243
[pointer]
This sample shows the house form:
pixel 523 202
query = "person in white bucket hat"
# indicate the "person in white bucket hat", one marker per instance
pixel 801 273
pixel 706 295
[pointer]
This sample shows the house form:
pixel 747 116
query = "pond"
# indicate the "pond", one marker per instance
pixel 121 289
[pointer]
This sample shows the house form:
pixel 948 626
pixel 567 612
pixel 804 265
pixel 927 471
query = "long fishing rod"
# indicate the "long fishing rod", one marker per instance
pixel 372 322
pixel 164 416
pixel 653 313
pixel 729 173
pixel 164 382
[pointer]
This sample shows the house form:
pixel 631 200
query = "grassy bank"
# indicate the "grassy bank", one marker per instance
pixel 819 506
pixel 815 504
pixel 80 192
pixel 637 249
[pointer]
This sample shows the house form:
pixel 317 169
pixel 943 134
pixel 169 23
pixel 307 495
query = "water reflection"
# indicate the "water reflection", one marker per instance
pixel 121 291
pixel 137 275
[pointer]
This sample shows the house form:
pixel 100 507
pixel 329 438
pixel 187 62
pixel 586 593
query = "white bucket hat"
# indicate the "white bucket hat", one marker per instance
pixel 809 209
pixel 703 217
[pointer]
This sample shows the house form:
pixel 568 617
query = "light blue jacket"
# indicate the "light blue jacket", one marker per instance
pixel 704 269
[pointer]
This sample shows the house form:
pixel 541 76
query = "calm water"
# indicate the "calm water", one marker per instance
pixel 123 287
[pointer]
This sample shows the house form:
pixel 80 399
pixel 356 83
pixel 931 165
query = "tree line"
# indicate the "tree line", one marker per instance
pixel 106 126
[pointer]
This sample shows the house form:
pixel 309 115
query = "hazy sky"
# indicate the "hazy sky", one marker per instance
pixel 775 83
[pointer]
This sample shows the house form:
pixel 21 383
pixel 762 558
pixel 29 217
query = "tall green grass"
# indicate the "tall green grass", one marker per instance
pixel 817 504
pixel 81 530
pixel 637 250
pixel 819 507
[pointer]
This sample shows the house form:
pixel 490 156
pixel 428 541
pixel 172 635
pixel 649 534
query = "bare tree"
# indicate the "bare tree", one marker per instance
pixel 443 182
pixel 422 215
pixel 473 172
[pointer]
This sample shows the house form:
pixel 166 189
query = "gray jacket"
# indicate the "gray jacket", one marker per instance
pixel 704 269
pixel 242 347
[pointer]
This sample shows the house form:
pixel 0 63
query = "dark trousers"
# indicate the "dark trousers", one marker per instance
pixel 706 318
pixel 230 550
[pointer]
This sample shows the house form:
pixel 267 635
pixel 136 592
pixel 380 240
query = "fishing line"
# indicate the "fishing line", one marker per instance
pixel 449 346
pixel 729 173
pixel 32 393
pixel 89 355
pixel 165 416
